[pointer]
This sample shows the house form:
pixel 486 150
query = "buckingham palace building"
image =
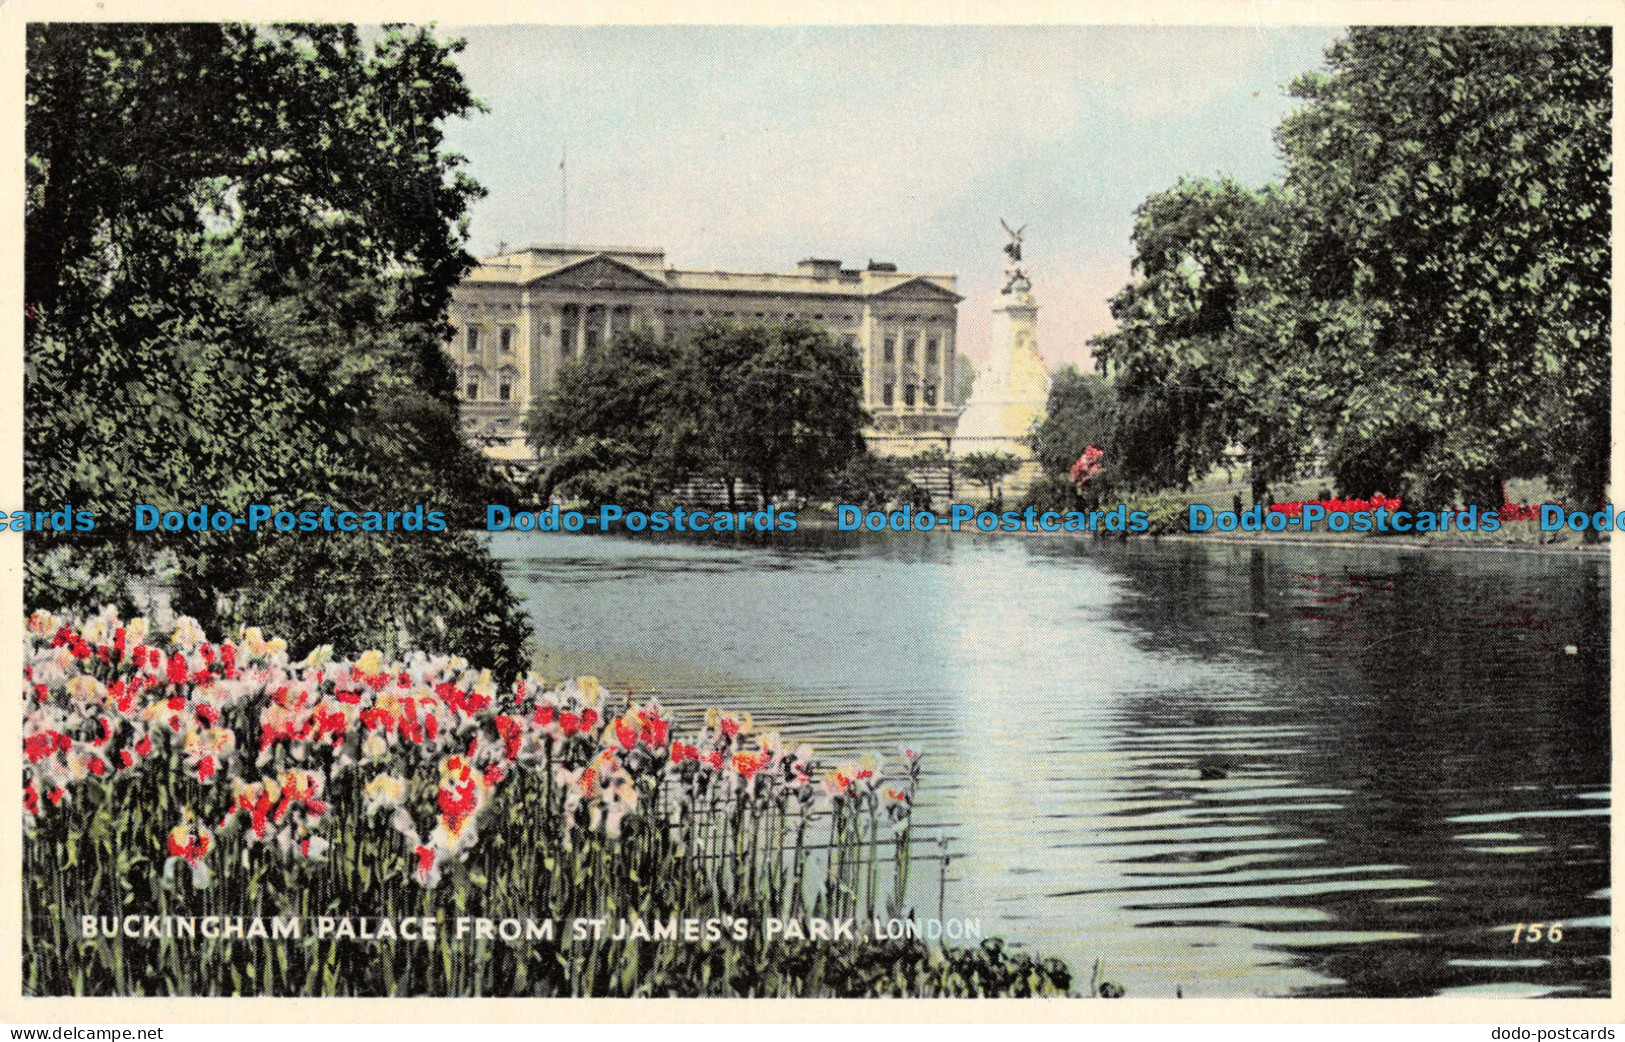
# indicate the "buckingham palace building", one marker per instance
pixel 522 314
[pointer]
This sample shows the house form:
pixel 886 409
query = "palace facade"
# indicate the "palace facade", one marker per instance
pixel 521 315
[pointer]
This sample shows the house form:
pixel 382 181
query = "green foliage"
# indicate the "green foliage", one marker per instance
pixel 776 405
pixel 876 482
pixel 1165 513
pixel 988 468
pixel 1198 366
pixel 615 423
pixel 241 243
pixel 1456 273
pixel 1424 300
pixel 1082 411
pixel 779 405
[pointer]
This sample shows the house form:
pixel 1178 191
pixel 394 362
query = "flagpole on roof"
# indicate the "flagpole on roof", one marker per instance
pixel 564 195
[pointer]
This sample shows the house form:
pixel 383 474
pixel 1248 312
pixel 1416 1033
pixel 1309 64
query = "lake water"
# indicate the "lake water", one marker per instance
pixel 1230 769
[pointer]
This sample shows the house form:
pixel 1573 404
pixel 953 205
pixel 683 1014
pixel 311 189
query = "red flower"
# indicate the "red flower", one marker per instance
pixel 144 746
pixel 512 734
pixel 39 746
pixel 177 669
pixel 192 851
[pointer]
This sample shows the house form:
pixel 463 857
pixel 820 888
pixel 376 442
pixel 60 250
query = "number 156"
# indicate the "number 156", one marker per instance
pixel 1534 933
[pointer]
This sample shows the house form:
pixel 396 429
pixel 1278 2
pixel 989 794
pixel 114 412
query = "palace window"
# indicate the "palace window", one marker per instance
pixel 472 339
pixel 909 343
pixel 930 394
pixel 591 343
pixel 567 341
pixel 886 395
pixel 505 390
pixel 931 351
pixel 908 394
pixel 471 385
pixel 889 351
pixel 506 335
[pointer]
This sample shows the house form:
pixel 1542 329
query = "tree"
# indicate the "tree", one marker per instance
pixel 1081 411
pixel 779 405
pixel 616 425
pixel 875 483
pixel 240 245
pixel 1424 300
pixel 988 468
pixel 1455 272
pixel 1198 356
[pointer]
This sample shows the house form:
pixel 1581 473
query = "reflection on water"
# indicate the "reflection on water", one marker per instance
pixel 1236 770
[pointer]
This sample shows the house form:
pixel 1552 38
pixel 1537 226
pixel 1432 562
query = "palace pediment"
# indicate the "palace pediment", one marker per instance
pixel 597 273
pixel 919 289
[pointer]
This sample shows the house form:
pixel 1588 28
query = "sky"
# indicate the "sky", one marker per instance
pixel 750 148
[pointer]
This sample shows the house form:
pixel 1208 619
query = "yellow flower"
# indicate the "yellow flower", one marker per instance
pixel 370 663
pixel 135 632
pixel 374 747
pixel 591 690
pixel 188 634
pixel 43 622
pixel 319 657
pixel 484 685
pixel 87 689
pixel 260 647
pixel 386 790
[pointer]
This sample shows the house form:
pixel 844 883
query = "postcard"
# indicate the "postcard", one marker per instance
pixel 640 506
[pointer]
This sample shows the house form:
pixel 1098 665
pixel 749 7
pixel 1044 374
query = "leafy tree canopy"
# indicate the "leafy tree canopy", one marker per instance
pixel 1424 298
pixel 241 243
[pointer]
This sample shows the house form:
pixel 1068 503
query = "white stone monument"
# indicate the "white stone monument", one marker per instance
pixel 1011 392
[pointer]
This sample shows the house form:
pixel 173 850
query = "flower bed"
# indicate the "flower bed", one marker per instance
pixel 194 778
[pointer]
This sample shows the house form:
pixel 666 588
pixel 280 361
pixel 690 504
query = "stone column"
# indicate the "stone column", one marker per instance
pixel 581 331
